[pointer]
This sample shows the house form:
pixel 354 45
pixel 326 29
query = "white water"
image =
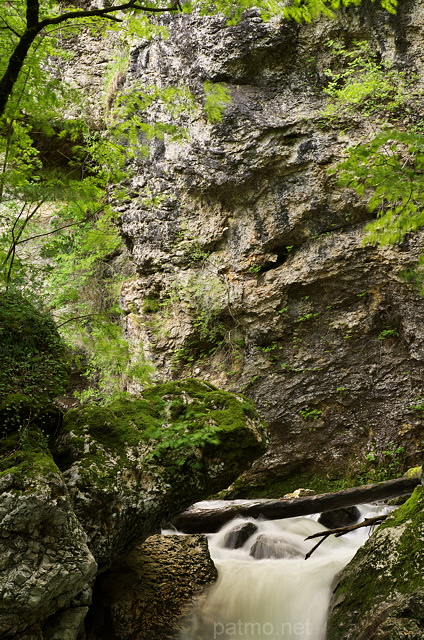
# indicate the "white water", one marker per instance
pixel 274 599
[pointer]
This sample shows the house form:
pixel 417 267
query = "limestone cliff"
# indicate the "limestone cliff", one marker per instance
pixel 251 271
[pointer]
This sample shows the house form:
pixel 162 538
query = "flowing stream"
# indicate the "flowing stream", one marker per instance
pixel 276 595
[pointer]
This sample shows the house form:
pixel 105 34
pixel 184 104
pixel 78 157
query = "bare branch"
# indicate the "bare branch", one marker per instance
pixel 65 226
pixel 87 315
pixel 103 13
pixel 18 35
pixel 340 531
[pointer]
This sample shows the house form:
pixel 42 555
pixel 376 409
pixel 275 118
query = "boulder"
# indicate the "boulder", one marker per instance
pixel 45 561
pixel 380 593
pixel 146 593
pixel 133 465
pixel 270 547
pixel 238 535
pixel 339 517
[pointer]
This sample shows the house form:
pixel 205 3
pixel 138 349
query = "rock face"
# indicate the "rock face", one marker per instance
pixel 252 271
pixel 45 562
pixel 147 593
pixel 380 594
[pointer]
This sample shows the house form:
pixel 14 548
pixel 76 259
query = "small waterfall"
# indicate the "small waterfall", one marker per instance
pixel 266 590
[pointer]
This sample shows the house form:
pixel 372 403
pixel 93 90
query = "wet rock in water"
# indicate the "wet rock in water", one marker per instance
pixel 236 537
pixel 380 593
pixel 268 547
pixel 339 517
pixel 148 592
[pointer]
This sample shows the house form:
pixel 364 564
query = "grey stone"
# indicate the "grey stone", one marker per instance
pixel 252 237
pixel 44 558
pixel 270 547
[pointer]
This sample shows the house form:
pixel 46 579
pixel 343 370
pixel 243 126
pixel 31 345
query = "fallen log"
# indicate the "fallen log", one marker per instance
pixel 208 519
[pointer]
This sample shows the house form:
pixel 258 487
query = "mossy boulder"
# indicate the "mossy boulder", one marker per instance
pixel 44 558
pixel 33 368
pixel 133 465
pixel 380 594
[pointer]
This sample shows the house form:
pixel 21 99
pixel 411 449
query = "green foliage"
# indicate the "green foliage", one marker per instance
pixel 386 463
pixel 176 420
pixel 308 10
pixel 363 84
pixel 388 333
pixel 202 294
pixel 310 414
pixel 217 98
pixel 129 131
pixel 298 10
pixel 308 316
pixel 389 172
pixel 33 367
pixel 418 405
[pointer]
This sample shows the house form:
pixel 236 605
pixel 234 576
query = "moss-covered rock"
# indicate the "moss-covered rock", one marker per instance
pixel 380 594
pixel 133 465
pixel 33 369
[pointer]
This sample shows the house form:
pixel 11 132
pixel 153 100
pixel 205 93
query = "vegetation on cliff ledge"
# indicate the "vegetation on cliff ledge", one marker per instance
pixel 175 423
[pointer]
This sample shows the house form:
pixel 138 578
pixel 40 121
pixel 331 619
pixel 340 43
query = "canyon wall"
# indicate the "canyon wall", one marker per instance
pixel 251 267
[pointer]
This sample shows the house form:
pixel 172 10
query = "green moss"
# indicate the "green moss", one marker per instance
pixel 389 566
pixel 411 510
pixel 122 423
pixel 171 421
pixel 273 486
pixel 414 472
pixel 277 487
pixel 27 458
pixel 150 305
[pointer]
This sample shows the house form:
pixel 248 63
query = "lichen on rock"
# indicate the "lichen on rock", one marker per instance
pixel 148 592
pixel 44 558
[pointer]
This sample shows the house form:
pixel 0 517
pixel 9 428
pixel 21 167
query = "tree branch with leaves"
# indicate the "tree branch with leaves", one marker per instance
pixel 35 24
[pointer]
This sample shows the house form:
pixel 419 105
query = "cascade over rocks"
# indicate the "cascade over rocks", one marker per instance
pixel 252 271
